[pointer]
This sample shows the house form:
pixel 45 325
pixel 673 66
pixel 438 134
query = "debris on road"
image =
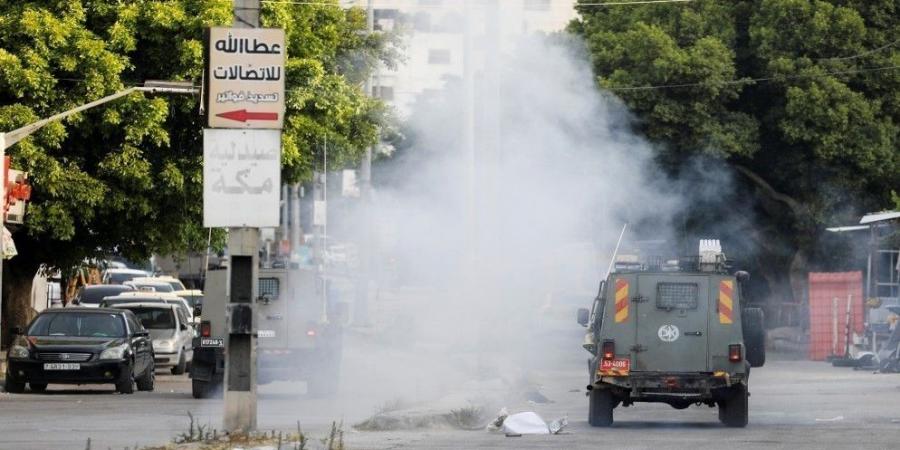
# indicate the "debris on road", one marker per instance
pixel 528 422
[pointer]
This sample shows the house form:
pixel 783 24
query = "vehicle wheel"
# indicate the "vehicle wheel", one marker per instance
pixel 199 389
pixel 181 366
pixel 753 323
pixel 126 384
pixel 38 387
pixel 147 381
pixel 13 387
pixel 733 412
pixel 600 410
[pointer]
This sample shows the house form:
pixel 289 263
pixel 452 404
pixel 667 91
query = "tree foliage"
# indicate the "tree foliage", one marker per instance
pixel 126 177
pixel 800 97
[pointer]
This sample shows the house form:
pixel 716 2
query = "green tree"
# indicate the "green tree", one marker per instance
pixel 126 178
pixel 798 97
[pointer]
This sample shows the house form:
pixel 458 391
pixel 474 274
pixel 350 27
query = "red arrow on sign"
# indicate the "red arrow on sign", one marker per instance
pixel 242 115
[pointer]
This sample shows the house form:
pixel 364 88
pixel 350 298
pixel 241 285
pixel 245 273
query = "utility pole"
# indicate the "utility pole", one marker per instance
pixel 361 305
pixel 242 291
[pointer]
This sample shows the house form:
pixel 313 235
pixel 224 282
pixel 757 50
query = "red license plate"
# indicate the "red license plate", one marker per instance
pixel 615 367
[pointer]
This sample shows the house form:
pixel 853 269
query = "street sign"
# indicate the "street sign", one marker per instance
pixel 245 78
pixel 241 178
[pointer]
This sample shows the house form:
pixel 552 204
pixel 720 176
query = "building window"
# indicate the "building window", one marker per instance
pixel 385 93
pixel 438 56
pixel 537 5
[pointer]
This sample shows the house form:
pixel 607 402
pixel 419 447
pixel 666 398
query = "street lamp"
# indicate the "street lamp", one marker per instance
pixel 8 139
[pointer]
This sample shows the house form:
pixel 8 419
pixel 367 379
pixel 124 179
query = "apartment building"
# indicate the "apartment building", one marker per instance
pixel 434 33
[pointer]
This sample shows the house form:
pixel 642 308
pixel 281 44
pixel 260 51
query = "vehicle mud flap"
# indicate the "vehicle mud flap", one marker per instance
pixel 201 371
pixel 734 410
pixel 753 324
pixel 600 409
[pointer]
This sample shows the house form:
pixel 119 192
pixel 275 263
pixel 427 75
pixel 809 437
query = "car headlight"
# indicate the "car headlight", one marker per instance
pixel 18 351
pixel 117 352
pixel 164 345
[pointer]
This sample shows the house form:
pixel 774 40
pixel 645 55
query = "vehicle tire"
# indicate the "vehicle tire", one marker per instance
pixel 600 409
pixel 199 389
pixel 734 411
pixel 753 323
pixel 126 384
pixel 38 387
pixel 147 381
pixel 13 387
pixel 181 366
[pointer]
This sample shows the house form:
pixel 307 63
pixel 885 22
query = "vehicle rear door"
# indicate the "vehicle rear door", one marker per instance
pixel 274 321
pixel 672 326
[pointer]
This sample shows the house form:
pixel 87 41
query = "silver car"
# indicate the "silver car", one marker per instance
pixel 170 330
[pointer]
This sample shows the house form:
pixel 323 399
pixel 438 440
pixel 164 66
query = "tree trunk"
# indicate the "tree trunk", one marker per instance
pixel 17 311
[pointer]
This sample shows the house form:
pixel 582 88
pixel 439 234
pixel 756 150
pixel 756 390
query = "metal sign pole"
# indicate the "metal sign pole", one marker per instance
pixel 240 341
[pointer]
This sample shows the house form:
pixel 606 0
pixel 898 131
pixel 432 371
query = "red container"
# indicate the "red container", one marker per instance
pixel 828 296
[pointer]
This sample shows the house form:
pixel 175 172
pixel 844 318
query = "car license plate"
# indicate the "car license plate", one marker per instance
pixel 62 366
pixel 212 342
pixel 615 367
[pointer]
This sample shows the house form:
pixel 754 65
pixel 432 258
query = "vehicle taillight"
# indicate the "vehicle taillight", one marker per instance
pixel 205 329
pixel 609 349
pixel 734 353
pixel 311 333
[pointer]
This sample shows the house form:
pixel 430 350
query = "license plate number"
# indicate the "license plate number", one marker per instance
pixel 615 366
pixel 212 342
pixel 62 366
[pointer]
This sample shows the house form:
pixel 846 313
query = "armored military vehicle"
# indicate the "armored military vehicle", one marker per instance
pixel 299 337
pixel 675 332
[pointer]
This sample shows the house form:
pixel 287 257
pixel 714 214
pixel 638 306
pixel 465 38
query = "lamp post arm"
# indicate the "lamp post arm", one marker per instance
pixel 21 133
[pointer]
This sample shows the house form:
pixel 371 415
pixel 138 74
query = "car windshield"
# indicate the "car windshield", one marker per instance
pixel 94 294
pixel 78 325
pixel 155 318
pixel 119 278
pixel 176 285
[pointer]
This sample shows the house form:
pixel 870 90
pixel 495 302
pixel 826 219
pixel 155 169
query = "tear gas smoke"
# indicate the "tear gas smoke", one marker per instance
pixel 470 289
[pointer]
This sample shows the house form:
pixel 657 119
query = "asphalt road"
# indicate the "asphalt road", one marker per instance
pixel 794 404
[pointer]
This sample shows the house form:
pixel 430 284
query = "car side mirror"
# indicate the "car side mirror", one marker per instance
pixel 198 310
pixel 583 316
pixel 742 276
pixel 183 327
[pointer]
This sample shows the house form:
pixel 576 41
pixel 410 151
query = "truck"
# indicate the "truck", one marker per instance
pixel 298 330
pixel 675 332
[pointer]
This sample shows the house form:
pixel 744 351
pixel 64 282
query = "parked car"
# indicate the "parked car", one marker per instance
pixel 194 299
pixel 149 284
pixel 90 296
pixel 119 276
pixel 81 346
pixel 171 332
pixel 149 297
pixel 176 284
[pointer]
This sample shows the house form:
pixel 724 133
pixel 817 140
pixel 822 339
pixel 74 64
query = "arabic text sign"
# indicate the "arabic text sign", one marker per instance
pixel 245 76
pixel 241 178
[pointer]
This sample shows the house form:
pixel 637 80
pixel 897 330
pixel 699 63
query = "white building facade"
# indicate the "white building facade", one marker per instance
pixel 434 33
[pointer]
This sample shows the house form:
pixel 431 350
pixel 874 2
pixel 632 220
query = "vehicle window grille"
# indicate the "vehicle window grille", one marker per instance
pixel 676 296
pixel 269 287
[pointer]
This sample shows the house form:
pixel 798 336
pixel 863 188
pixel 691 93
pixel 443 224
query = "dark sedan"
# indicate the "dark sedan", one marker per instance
pixel 91 295
pixel 82 346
